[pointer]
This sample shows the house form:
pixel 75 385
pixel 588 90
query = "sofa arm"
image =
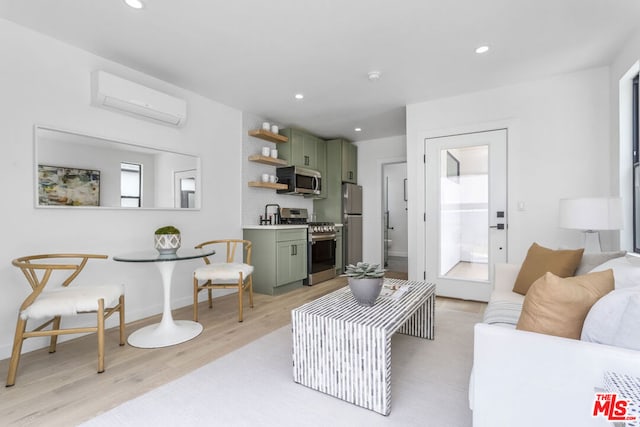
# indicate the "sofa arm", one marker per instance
pixel 528 379
pixel 505 276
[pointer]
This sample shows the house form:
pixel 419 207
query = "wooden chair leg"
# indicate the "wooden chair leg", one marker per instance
pixel 210 291
pixel 195 299
pixel 100 335
pixel 54 338
pixel 240 282
pixel 17 350
pixel 251 291
pixel 122 322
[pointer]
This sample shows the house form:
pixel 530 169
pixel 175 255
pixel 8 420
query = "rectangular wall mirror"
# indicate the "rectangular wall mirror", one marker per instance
pixel 77 170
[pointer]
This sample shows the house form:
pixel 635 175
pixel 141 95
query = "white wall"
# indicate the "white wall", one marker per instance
pixel 372 154
pixel 48 82
pixel 558 146
pixel 254 199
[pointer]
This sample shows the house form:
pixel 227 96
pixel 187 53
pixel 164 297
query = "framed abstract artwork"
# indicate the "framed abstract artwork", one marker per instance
pixel 62 186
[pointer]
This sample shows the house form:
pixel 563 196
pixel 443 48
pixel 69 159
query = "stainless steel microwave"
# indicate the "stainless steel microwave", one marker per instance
pixel 299 180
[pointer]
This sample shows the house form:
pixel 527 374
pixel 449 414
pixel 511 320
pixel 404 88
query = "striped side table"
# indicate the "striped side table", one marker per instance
pixel 343 349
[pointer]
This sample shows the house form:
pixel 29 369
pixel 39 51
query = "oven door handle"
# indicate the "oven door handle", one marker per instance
pixel 322 238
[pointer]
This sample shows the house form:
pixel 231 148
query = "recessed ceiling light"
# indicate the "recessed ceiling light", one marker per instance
pixel 374 75
pixel 136 4
pixel 482 49
pixel 358 129
pixel 299 96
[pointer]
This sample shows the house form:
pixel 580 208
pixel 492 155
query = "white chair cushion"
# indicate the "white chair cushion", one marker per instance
pixel 223 272
pixel 72 300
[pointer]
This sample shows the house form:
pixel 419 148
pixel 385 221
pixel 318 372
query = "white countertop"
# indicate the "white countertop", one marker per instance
pixel 274 227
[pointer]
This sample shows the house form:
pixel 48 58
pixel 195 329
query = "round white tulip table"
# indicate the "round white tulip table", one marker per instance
pixel 168 331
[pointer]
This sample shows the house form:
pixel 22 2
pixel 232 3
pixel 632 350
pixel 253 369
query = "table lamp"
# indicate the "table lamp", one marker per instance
pixel 591 214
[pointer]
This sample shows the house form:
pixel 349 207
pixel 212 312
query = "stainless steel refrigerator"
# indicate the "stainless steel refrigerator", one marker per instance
pixel 352 220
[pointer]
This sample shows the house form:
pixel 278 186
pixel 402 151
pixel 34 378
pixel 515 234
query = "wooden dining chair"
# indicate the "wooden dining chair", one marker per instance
pixel 62 300
pixel 225 275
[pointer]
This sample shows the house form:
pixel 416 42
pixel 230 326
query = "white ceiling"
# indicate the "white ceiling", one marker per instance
pixel 254 55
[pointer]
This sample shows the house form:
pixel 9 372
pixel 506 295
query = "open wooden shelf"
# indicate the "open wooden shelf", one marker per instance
pixel 267 160
pixel 273 186
pixel 268 136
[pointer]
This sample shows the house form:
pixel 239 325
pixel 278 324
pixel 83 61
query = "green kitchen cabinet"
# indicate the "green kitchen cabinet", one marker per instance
pixel 289 261
pixel 279 258
pixel 329 208
pixel 339 260
pixel 321 165
pixel 349 162
pixel 304 150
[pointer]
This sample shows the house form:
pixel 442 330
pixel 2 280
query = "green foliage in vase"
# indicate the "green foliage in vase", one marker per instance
pixel 364 270
pixel 169 229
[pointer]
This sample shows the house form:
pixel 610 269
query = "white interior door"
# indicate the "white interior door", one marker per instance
pixel 466 212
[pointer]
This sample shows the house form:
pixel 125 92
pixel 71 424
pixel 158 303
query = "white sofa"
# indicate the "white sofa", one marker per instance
pixel 525 379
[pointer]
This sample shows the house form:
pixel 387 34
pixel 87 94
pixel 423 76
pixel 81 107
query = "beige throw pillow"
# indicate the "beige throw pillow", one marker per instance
pixel 557 306
pixel 540 260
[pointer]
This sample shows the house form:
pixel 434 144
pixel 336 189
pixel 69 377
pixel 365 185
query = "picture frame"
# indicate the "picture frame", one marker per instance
pixel 68 186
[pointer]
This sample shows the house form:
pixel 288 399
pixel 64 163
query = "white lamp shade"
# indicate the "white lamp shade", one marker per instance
pixel 591 213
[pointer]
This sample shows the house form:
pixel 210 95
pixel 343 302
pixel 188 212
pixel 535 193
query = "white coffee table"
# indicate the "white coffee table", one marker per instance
pixel 343 349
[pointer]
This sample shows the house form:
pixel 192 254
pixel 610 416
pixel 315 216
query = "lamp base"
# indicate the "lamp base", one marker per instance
pixel 592 242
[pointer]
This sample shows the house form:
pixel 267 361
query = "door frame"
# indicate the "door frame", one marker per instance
pixel 416 174
pixel 177 177
pixel 380 213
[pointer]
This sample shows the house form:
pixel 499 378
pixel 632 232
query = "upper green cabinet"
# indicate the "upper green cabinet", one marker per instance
pixel 349 162
pixel 342 161
pixel 305 150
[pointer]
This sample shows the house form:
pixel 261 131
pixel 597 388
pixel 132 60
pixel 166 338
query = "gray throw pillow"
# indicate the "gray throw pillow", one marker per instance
pixel 592 260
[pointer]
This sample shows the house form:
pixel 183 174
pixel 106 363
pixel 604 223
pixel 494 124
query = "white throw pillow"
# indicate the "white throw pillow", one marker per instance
pixel 603 320
pixel 628 334
pixel 625 274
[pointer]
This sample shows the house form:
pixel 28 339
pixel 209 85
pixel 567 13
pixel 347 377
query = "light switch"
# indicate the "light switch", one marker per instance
pixel 521 206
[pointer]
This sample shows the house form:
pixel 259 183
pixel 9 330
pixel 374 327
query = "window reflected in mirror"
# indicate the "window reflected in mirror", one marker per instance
pixel 73 169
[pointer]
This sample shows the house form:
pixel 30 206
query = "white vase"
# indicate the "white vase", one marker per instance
pixel 167 243
pixel 365 291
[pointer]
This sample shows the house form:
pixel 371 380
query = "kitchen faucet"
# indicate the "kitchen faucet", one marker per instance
pixel 266 215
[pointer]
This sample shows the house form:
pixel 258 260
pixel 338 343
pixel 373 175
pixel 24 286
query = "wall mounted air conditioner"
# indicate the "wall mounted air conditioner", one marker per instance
pixel 116 93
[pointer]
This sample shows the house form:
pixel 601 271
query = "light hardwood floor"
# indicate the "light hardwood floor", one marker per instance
pixel 63 389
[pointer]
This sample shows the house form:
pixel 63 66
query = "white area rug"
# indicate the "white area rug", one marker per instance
pixel 253 386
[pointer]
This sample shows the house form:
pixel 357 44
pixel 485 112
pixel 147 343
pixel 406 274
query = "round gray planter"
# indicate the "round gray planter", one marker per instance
pixel 365 291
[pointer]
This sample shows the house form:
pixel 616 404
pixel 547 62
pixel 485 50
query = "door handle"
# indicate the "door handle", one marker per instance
pixel 498 226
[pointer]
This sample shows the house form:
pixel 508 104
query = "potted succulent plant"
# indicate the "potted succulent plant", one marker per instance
pixel 365 282
pixel 167 240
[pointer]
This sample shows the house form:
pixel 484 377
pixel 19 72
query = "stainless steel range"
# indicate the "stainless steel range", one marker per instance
pixel 322 252
pixel 321 240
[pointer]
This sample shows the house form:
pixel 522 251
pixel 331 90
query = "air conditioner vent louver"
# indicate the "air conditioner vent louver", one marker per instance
pixel 118 94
